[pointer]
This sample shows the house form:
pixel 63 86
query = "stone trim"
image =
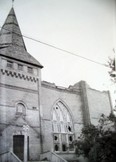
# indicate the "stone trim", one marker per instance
pixel 19 75
pixel 18 88
pixel 3 105
pixel 17 125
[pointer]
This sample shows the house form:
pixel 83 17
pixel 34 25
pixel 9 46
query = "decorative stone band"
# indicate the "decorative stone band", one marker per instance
pixel 19 75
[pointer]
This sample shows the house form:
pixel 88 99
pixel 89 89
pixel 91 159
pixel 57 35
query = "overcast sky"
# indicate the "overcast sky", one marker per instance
pixel 84 27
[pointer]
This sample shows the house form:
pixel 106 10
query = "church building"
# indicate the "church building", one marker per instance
pixel 39 120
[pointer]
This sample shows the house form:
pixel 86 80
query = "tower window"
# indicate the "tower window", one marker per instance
pixel 30 70
pixel 9 64
pixel 20 67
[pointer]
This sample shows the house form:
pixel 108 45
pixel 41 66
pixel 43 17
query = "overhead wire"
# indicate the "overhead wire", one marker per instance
pixel 55 47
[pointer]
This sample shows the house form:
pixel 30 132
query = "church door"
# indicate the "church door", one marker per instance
pixel 18 146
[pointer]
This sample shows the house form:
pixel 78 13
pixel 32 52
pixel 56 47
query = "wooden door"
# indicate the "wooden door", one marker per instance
pixel 18 146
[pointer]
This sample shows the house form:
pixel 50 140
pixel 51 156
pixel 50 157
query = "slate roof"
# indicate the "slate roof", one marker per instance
pixel 11 41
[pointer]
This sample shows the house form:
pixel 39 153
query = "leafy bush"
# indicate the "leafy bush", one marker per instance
pixel 98 143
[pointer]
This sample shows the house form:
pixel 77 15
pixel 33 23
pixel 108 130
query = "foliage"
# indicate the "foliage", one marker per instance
pixel 112 72
pixel 98 143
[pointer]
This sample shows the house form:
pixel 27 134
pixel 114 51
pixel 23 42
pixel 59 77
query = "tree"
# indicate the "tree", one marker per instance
pixel 98 143
pixel 112 72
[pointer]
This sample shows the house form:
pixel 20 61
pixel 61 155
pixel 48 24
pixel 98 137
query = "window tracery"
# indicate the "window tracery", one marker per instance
pixel 63 134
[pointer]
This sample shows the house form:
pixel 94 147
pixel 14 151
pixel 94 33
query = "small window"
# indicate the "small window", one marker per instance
pixel 20 67
pixel 9 64
pixel 56 138
pixel 34 108
pixel 71 144
pixel 69 129
pixel 70 138
pixel 64 148
pixel 30 70
pixel 20 109
pixel 56 147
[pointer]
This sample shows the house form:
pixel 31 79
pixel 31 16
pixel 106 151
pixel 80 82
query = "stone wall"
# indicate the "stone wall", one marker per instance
pixel 19 88
pixel 50 94
pixel 99 103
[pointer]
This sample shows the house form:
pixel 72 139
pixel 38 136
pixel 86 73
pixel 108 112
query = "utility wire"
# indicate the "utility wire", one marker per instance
pixel 55 47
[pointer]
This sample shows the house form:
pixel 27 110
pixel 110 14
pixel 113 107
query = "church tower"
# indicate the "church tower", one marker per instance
pixel 28 133
pixel 20 83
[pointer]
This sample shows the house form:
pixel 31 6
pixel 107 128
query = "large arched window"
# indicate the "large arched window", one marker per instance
pixel 63 135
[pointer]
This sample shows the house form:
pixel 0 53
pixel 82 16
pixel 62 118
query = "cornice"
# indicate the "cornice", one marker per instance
pixel 18 75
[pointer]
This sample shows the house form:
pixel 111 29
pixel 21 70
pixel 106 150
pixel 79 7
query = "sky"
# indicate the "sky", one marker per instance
pixel 83 27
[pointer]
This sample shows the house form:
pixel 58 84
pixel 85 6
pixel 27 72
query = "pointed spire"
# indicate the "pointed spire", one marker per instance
pixel 10 32
pixel 11 41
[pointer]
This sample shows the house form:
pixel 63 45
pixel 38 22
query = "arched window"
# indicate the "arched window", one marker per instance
pixel 63 134
pixel 20 109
